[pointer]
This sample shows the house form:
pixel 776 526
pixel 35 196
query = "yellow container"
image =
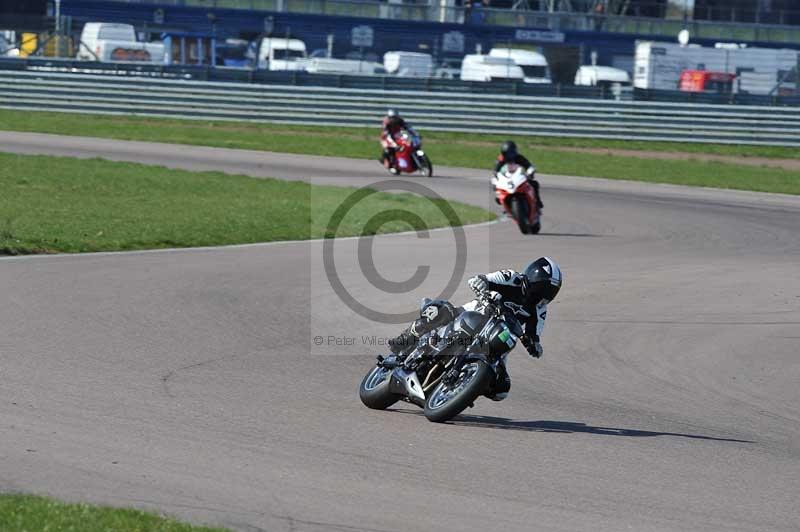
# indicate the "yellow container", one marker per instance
pixel 30 41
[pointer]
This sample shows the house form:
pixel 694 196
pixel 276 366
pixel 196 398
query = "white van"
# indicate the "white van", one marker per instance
pixel 111 42
pixel 408 64
pixel 602 76
pixel 476 67
pixel 282 54
pixel 533 64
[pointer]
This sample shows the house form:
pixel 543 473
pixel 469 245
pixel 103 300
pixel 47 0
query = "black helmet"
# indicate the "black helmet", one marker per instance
pixel 541 280
pixel 509 150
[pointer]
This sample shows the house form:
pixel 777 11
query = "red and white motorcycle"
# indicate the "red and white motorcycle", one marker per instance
pixel 518 198
pixel 409 156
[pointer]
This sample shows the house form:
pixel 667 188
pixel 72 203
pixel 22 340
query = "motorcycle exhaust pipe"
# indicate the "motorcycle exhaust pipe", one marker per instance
pixel 407 383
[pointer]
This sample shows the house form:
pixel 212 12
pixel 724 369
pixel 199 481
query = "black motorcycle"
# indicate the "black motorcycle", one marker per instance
pixel 449 367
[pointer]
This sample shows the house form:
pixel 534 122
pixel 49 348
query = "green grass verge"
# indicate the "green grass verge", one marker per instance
pixel 61 204
pixel 476 151
pixel 28 513
pixel 347 142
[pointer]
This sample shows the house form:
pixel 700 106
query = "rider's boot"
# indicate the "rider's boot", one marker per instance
pixel 502 384
pixel 403 344
pixel 435 314
pixel 535 185
pixel 386 158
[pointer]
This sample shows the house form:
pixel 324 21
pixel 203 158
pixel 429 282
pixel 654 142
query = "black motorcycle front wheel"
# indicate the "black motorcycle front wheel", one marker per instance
pixel 519 208
pixel 424 166
pixel 374 390
pixel 446 401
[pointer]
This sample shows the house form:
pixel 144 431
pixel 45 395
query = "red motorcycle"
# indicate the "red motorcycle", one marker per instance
pixel 409 157
pixel 518 198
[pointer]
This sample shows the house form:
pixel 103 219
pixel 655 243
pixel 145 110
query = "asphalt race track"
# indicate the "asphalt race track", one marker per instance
pixel 189 381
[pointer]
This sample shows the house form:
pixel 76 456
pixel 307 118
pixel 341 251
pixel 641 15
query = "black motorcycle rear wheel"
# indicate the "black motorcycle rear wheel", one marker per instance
pixel 374 389
pixel 447 401
pixel 519 208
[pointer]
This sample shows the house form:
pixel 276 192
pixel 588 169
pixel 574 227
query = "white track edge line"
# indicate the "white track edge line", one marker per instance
pixel 226 246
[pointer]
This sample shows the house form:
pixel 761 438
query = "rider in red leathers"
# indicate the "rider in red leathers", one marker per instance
pixel 393 124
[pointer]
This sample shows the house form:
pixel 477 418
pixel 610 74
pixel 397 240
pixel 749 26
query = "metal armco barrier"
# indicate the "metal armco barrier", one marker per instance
pixel 433 111
pixel 208 73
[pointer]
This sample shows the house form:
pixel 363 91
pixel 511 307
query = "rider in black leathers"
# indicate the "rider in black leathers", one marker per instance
pixel 524 294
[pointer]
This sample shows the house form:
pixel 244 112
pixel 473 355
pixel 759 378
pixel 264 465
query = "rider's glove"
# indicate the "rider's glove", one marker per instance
pixel 494 297
pixel 531 171
pixel 535 349
pixel 533 346
pixel 478 285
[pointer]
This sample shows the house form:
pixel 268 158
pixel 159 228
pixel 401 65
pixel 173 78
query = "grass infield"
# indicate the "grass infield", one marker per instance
pixel 61 204
pixel 456 149
pixel 28 513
